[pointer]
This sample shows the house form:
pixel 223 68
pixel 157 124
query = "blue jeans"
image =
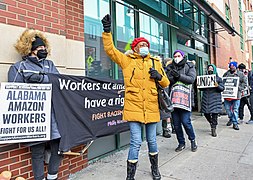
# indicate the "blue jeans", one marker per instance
pixel 182 117
pixel 232 108
pixel 38 152
pixel 135 139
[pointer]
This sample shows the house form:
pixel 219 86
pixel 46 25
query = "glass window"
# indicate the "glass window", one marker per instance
pixel 200 46
pixel 97 64
pixel 184 40
pixel 158 5
pixel 227 13
pixel 196 19
pixel 187 8
pixel 156 32
pixel 125 29
pixel 203 22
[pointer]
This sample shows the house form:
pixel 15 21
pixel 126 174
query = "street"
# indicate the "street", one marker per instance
pixel 229 156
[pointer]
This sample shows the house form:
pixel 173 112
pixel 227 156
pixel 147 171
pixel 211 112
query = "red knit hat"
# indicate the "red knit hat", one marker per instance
pixel 137 40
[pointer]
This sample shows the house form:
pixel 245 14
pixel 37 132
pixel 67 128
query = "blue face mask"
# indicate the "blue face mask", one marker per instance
pixel 144 51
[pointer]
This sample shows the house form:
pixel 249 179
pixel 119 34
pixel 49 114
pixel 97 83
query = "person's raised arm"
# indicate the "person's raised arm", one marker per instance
pixel 117 56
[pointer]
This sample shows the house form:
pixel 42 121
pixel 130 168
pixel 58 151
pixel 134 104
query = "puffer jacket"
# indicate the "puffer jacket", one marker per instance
pixel 211 99
pixel 242 81
pixel 31 63
pixel 141 102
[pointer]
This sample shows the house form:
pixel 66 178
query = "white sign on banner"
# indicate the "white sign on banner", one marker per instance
pixel 25 112
pixel 231 87
pixel 206 81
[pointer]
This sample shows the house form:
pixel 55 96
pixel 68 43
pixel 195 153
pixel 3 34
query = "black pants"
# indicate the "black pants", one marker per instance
pixel 212 118
pixel 243 101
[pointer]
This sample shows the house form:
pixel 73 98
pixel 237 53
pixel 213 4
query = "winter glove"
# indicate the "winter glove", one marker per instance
pixel 106 21
pixel 154 74
pixel 32 76
pixel 175 74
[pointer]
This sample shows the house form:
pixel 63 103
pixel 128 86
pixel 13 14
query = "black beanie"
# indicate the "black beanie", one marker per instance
pixel 242 66
pixel 38 42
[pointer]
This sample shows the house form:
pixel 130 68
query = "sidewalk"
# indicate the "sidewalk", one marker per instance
pixel 229 156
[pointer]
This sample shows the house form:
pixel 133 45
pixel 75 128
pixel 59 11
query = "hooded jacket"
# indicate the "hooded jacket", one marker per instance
pixel 141 100
pixel 211 99
pixel 23 47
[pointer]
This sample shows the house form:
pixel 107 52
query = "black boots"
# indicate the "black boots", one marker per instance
pixel 154 167
pixel 194 146
pixel 131 169
pixel 213 132
pixel 166 131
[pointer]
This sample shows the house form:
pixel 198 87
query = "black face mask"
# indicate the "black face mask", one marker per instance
pixel 210 72
pixel 42 54
pixel 232 70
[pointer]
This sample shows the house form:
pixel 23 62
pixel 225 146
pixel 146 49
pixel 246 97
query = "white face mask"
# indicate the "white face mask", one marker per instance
pixel 144 51
pixel 178 60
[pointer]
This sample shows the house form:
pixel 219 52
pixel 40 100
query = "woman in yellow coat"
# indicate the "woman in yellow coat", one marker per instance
pixel 140 71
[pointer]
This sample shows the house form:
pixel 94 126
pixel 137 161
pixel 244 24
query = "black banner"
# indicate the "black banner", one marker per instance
pixel 87 108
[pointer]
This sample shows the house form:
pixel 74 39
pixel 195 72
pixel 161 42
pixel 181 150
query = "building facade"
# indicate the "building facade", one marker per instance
pixel 238 47
pixel 74 29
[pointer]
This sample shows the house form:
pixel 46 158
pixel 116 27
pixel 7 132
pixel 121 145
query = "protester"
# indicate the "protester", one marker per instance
pixel 211 104
pixel 245 96
pixel 232 104
pixel 182 71
pixel 250 78
pixel 140 71
pixel 34 48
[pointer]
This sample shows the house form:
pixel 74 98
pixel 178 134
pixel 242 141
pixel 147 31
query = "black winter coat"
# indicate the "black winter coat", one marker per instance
pixel 211 99
pixel 187 72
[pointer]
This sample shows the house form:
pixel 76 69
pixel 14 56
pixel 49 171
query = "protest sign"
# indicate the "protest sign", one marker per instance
pixel 246 92
pixel 206 81
pixel 87 108
pixel 25 112
pixel 181 96
pixel 231 87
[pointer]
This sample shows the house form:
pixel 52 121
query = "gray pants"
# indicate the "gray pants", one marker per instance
pixel 38 152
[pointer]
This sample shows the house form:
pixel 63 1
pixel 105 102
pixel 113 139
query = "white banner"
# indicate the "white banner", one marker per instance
pixel 206 81
pixel 231 87
pixel 249 25
pixel 25 112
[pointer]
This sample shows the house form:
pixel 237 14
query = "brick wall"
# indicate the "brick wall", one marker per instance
pixel 17 159
pixel 229 46
pixel 61 17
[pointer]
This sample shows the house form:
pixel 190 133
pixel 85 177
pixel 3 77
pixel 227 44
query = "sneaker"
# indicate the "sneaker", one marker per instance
pixel 241 121
pixel 250 122
pixel 229 123
pixel 180 147
pixel 235 127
